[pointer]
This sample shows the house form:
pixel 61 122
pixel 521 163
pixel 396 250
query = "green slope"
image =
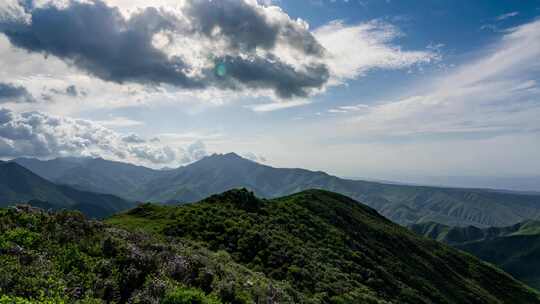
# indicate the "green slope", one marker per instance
pixel 330 249
pixel 19 185
pixel 64 258
pixel 516 249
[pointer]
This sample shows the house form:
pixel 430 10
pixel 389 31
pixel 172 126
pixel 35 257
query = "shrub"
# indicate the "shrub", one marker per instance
pixel 4 299
pixel 22 237
pixel 189 296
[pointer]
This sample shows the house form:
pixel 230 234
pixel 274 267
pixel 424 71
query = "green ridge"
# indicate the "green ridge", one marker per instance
pixel 330 249
pixel 516 249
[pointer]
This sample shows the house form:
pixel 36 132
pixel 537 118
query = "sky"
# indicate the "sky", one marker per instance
pixel 367 88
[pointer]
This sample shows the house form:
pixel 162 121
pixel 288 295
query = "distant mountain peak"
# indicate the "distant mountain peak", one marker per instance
pixel 230 155
pixel 220 158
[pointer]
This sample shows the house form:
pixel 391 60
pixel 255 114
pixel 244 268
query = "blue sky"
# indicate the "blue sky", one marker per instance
pixel 378 89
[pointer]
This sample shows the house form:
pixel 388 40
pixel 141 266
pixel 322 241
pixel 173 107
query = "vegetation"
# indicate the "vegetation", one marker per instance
pixel 314 247
pixel 330 249
pixel 64 258
pixel 516 249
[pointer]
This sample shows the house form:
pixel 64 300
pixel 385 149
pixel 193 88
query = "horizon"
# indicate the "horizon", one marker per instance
pixel 522 185
pixel 370 89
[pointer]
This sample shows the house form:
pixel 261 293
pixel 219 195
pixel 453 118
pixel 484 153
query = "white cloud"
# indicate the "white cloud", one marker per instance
pixel 191 136
pixel 254 157
pixel 274 106
pixel 194 46
pixel 194 152
pixel 348 109
pixel 355 49
pixel 119 122
pixel 506 16
pixel 496 93
pixel 36 134
pixel 478 118
pixel 352 51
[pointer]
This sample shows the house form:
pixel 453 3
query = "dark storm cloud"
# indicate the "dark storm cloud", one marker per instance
pixel 98 39
pixel 267 74
pixel 13 93
pixel 246 27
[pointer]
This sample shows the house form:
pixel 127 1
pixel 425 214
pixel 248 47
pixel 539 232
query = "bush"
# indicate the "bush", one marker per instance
pixel 18 300
pixel 22 237
pixel 189 296
pixel 13 300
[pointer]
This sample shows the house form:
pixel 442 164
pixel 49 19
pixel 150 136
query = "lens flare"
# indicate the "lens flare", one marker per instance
pixel 221 70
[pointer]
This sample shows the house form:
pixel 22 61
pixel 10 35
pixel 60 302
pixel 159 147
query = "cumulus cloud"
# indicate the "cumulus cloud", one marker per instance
pixel 254 157
pixel 246 26
pixel 194 152
pixel 99 40
pixel 234 39
pixel 133 139
pixel 261 73
pixel 36 134
pixel 13 93
pixel 244 46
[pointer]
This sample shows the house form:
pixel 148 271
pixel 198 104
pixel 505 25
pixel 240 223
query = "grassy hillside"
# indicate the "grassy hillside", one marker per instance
pixel 516 249
pixel 330 249
pixel 19 185
pixel 65 258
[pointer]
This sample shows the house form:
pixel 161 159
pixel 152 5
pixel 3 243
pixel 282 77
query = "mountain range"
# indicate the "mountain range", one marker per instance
pixel 20 185
pixel 403 204
pixel 516 248
pixel 305 239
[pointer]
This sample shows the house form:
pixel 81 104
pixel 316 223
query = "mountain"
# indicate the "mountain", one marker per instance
pixel 92 174
pixel 20 185
pixel 516 249
pixel 404 204
pixel 400 203
pixel 329 249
